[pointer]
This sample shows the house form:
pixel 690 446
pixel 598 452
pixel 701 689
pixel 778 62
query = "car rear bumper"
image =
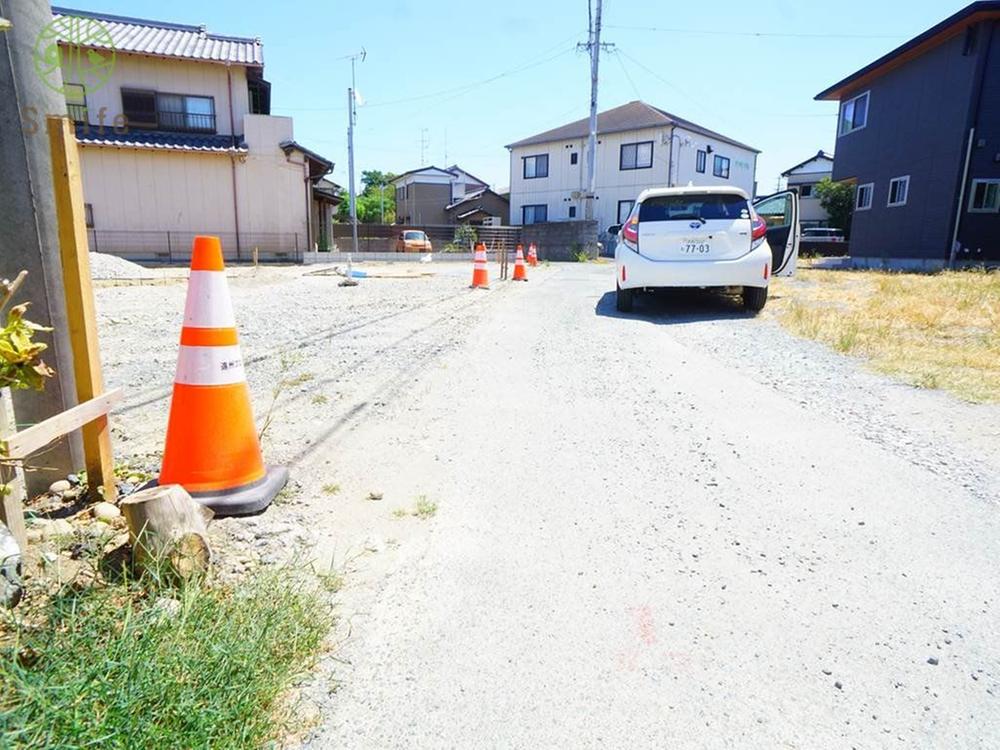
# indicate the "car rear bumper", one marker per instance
pixel 636 272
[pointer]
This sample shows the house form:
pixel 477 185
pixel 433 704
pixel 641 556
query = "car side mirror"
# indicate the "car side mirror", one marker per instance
pixel 614 229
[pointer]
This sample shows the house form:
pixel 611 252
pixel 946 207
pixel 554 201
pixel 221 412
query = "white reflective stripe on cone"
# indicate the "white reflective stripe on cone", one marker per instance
pixel 210 365
pixel 208 304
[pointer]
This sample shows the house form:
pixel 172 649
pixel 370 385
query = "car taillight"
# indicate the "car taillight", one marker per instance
pixel 758 232
pixel 630 232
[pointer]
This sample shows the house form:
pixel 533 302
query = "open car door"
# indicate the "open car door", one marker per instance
pixel 781 213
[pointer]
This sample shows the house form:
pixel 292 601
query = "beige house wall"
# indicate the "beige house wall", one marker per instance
pixel 170 76
pixel 136 190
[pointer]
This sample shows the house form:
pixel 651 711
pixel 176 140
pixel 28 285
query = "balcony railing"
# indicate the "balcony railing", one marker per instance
pixel 77 112
pixel 186 122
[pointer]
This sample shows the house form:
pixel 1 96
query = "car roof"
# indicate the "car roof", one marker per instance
pixel 691 190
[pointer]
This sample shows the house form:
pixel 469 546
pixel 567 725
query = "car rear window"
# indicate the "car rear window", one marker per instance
pixel 694 206
pixel 413 235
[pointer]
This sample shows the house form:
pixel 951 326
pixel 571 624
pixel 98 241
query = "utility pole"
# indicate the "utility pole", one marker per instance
pixel 423 146
pixel 593 46
pixel 352 117
pixel 29 232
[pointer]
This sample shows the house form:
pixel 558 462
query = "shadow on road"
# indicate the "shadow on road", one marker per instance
pixel 672 306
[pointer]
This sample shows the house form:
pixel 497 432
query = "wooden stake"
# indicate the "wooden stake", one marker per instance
pixel 12 503
pixel 80 302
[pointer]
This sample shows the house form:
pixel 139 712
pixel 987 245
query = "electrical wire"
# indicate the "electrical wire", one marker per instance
pixel 761 34
pixel 451 93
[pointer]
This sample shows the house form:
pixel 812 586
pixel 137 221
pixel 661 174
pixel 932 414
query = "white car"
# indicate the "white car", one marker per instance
pixel 706 237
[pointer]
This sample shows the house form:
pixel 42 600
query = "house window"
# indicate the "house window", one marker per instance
pixel 572 212
pixel 195 114
pixel 536 166
pixel 863 199
pixel 534 214
pixel 88 215
pixel 854 114
pixel 76 101
pixel 806 191
pixel 624 209
pixel 899 189
pixel 139 108
pixel 699 164
pixel 720 167
pixel 985 198
pixel 636 155
pixel 574 157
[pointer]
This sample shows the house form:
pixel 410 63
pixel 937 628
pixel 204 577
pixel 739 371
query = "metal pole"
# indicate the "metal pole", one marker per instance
pixel 595 57
pixel 350 161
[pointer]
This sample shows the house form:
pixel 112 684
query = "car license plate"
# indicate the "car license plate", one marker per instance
pixel 695 247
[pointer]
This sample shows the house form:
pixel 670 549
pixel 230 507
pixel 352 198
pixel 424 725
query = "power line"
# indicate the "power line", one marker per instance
pixel 533 62
pixel 762 34
pixel 628 77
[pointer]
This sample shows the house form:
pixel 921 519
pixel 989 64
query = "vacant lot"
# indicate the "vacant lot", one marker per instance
pixel 563 527
pixel 933 331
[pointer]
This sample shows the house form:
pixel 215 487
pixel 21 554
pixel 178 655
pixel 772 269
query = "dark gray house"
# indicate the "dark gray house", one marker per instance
pixel 919 135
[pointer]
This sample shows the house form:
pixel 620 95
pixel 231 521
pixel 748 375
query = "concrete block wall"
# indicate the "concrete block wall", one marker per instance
pixel 561 240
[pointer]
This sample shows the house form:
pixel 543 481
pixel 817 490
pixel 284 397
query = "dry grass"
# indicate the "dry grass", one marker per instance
pixel 931 330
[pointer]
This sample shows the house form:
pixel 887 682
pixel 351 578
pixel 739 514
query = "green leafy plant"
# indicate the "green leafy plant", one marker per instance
pixel 837 199
pixel 465 236
pixel 21 365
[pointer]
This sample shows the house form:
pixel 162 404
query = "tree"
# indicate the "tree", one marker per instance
pixel 376 202
pixel 837 199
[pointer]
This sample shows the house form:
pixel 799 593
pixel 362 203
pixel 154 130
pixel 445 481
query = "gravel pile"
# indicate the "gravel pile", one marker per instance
pixel 103 266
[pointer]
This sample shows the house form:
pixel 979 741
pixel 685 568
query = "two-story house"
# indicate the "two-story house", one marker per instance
pixel 179 141
pixel 431 196
pixel 803 178
pixel 919 135
pixel 638 146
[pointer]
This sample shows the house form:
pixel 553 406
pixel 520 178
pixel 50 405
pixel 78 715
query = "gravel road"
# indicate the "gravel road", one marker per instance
pixel 683 528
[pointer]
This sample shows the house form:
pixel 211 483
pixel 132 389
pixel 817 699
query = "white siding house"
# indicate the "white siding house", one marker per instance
pixel 639 146
pixel 803 177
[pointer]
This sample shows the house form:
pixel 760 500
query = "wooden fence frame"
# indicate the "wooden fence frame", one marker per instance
pixel 90 415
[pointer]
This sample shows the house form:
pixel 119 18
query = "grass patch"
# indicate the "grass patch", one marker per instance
pixel 931 330
pixel 425 508
pixel 331 489
pixel 104 666
pixel 319 398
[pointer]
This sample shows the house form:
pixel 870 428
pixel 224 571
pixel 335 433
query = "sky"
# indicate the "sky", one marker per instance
pixel 454 82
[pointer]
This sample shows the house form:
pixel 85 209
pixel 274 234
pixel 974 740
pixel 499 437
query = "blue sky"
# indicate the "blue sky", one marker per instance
pixel 468 78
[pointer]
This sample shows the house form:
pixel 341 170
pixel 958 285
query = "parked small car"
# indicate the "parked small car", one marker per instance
pixel 413 241
pixel 707 237
pixel 826 234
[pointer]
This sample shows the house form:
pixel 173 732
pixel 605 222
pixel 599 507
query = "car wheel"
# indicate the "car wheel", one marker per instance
pixel 754 298
pixel 624 299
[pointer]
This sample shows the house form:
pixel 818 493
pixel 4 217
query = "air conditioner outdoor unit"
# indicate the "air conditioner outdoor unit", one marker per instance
pixel 576 195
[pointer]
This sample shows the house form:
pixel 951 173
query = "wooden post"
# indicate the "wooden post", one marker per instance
pixel 12 502
pixel 80 302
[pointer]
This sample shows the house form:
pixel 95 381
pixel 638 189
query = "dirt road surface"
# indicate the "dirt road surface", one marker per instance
pixel 682 528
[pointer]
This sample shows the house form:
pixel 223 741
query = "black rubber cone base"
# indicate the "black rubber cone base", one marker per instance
pixel 241 501
pixel 251 498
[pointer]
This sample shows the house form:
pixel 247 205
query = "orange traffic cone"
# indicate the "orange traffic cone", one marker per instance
pixel 211 447
pixel 532 255
pixel 520 272
pixel 480 274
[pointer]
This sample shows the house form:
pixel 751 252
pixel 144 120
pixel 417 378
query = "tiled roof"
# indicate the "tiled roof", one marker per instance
pixel 632 116
pixel 170 39
pixel 157 140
